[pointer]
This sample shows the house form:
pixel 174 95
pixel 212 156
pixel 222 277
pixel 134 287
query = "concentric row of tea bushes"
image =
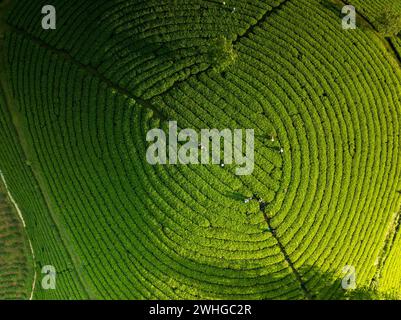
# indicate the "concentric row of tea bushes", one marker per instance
pixel 390 278
pixel 144 46
pixel 144 231
pixel 396 42
pixel 42 231
pixel 340 109
pixel 329 99
pixel 372 156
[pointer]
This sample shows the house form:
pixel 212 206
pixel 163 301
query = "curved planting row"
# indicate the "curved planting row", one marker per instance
pixel 344 172
pixel 396 41
pixel 143 230
pixel 49 250
pixel 167 42
pixel 390 278
pixel 88 93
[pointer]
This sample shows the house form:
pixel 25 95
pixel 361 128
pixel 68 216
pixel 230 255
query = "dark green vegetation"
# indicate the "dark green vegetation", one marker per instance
pixel 385 15
pixel 222 54
pixel 79 100
pixel 389 22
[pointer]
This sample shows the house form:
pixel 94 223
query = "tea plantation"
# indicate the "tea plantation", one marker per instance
pixel 77 102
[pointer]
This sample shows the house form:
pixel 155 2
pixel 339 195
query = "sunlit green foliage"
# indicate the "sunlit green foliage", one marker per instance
pixel 82 98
